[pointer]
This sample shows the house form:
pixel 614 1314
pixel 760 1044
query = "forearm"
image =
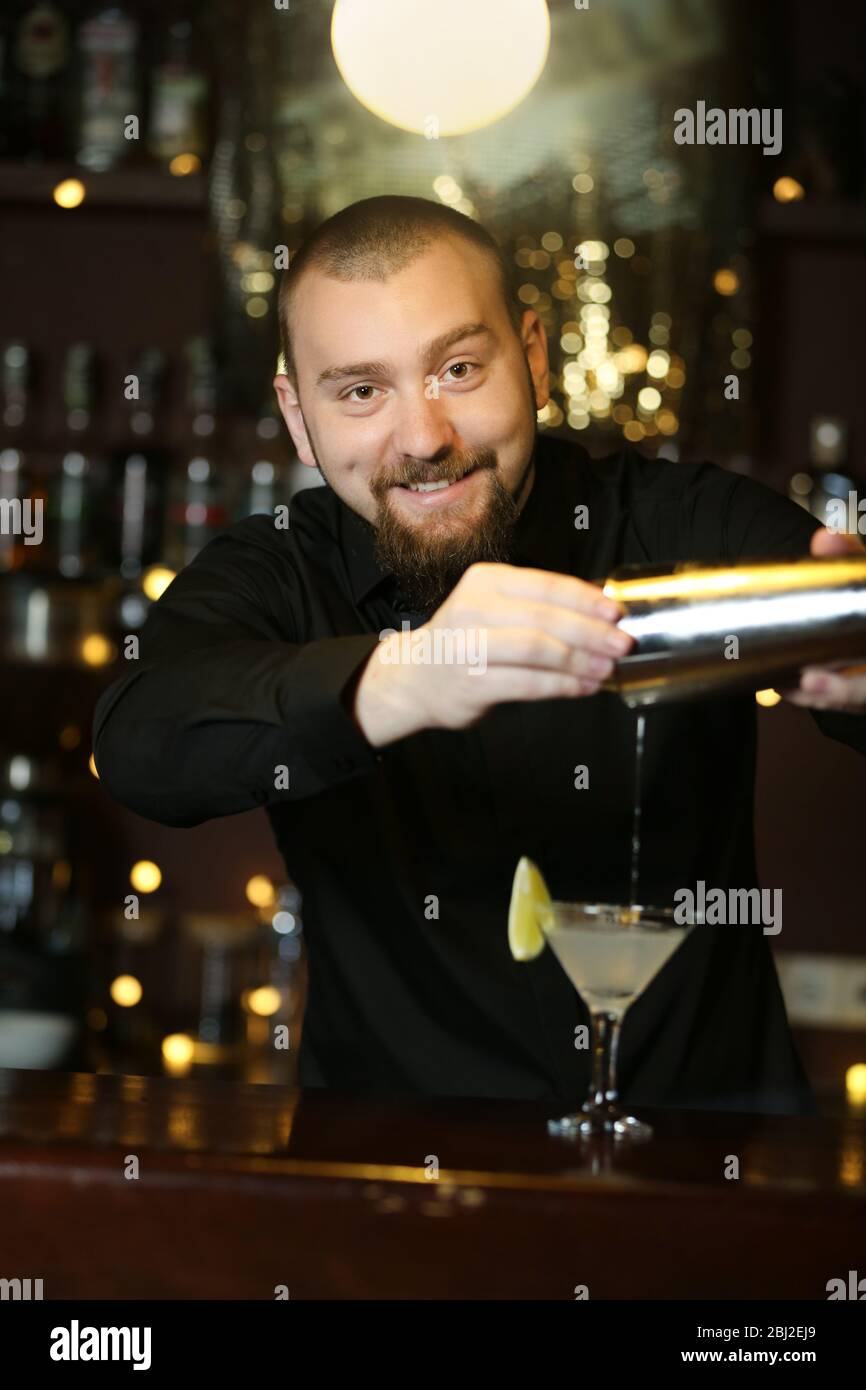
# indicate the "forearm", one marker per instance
pixel 229 728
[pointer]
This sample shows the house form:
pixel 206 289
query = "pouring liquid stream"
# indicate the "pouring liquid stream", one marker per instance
pixel 640 736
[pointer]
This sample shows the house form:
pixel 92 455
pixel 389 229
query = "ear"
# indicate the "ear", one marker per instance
pixel 534 340
pixel 290 409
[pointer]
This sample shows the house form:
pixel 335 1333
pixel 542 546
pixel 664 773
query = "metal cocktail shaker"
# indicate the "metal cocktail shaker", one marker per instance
pixel 783 615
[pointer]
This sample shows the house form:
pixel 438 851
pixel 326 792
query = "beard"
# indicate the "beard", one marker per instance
pixel 428 557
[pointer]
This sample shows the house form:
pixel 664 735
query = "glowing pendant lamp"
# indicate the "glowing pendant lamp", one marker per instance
pixel 440 67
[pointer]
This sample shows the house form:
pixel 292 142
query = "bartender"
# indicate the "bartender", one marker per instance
pixel 278 670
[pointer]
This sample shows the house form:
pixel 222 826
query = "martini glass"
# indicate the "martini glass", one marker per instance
pixel 610 953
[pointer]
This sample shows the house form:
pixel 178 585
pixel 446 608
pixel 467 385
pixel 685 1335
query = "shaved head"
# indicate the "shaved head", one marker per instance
pixel 376 238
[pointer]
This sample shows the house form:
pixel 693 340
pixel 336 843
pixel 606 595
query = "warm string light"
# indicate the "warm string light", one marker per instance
pixel 257 278
pixel 726 281
pixel 145 876
pixel 156 580
pixel 855 1084
pixel 178 1052
pixel 607 376
pixel 96 650
pixel 69 193
pixel 788 190
pixel 260 891
pixel 602 363
pixel 264 1001
pixel 184 164
pixel 126 991
pixel 448 191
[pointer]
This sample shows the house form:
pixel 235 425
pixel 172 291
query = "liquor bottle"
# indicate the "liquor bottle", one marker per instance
pixel 68 492
pixel 201 387
pixel 42 923
pixel 15 382
pixel 133 535
pixel 76 501
pixel 37 74
pixel 259 493
pixel 108 44
pixel 196 512
pixel 11 497
pixel 826 488
pixel 72 515
pixel 149 370
pixel 263 487
pixel 196 508
pixel 80 377
pixel 28 484
pixel 178 98
pixel 270 422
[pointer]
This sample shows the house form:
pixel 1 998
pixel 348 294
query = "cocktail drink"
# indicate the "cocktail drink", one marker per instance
pixel 610 953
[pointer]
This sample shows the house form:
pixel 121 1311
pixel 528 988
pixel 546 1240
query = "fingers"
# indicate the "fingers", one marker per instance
pixel 820 688
pixel 546 635
pixel 827 542
pixel 537 649
pixel 559 590
pixel 506 683
pixel 569 626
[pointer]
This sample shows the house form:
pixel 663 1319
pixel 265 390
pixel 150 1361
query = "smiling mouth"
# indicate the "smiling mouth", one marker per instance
pixel 438 486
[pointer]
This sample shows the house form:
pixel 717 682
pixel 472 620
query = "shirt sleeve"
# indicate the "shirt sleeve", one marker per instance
pixel 224 711
pixel 758 522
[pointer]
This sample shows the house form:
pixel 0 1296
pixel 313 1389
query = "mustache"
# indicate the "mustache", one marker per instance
pixel 419 471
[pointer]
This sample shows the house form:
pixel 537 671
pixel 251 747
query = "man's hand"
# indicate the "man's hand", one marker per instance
pixel 838 685
pixel 530 635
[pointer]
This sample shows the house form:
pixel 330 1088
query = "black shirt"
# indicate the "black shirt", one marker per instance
pixel 245 661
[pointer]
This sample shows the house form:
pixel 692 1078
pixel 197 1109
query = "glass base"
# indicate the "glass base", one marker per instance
pixel 599 1119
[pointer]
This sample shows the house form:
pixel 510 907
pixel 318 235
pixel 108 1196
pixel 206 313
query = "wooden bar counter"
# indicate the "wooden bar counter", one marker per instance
pixel 244 1188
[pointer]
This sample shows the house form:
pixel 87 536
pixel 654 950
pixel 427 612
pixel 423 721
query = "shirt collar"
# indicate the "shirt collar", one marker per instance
pixel 357 544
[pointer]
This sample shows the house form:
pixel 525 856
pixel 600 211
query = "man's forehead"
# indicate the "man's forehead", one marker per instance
pixel 449 263
pixel 338 319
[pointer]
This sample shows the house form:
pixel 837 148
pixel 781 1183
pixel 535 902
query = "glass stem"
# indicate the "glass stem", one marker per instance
pixel 605 1041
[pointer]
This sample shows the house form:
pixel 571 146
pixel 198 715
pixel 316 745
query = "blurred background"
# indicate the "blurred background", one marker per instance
pixel 158 162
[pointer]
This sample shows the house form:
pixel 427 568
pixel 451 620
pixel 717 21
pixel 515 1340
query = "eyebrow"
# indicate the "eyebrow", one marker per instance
pixel 429 352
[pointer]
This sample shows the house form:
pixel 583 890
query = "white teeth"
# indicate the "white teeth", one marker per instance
pixel 434 487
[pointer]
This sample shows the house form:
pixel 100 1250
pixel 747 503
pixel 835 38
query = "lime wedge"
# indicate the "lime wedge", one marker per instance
pixel 525 920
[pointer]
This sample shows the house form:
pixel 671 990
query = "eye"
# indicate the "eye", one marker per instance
pixel 364 400
pixel 465 373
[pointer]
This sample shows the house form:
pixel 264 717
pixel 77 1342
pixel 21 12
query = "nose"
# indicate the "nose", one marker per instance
pixel 422 429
